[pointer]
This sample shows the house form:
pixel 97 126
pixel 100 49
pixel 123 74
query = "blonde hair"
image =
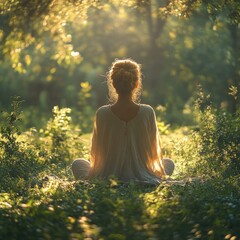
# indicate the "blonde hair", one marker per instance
pixel 122 79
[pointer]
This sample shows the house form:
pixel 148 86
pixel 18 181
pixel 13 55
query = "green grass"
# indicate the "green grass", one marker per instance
pixel 52 205
pixel 58 208
pixel 39 198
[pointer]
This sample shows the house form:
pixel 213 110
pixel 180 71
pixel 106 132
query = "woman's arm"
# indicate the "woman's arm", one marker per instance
pixel 158 168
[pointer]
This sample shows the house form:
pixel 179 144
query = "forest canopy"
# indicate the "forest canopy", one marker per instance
pixel 51 49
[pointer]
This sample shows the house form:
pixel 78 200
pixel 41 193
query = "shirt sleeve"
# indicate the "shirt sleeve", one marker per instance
pixel 156 161
pixel 94 142
pixel 96 152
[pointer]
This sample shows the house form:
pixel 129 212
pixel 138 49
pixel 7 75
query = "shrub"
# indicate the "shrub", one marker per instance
pixel 212 148
pixel 18 158
pixel 85 107
pixel 218 139
pixel 61 140
pixel 219 134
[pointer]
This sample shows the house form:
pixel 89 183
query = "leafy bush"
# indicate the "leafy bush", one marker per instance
pixel 55 207
pixel 18 159
pixel 61 140
pixel 58 129
pixel 219 136
pixel 181 145
pixel 85 104
pixel 212 148
pixel 24 154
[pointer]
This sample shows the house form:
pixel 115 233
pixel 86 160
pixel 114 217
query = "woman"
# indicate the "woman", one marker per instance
pixel 125 140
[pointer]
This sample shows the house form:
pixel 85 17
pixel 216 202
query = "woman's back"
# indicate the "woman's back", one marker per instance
pixel 128 150
pixel 125 139
pixel 125 112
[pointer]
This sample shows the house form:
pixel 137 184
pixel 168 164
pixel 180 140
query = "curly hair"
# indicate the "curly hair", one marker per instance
pixel 124 78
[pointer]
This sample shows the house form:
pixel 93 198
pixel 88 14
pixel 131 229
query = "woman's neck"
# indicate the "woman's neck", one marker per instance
pixel 126 99
pixel 125 108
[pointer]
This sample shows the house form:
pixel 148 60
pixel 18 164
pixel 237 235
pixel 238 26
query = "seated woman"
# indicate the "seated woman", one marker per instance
pixel 125 141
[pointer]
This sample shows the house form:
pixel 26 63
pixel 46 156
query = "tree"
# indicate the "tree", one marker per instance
pixel 53 46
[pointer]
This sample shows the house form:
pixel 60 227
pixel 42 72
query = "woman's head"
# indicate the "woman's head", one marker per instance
pixel 124 79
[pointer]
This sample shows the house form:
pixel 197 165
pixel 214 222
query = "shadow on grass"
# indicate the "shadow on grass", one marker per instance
pixel 62 209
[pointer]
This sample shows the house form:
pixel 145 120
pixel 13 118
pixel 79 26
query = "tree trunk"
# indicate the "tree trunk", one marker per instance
pixel 155 25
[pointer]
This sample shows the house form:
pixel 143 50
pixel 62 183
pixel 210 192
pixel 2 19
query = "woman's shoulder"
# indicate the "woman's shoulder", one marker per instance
pixel 144 109
pixel 103 109
pixel 147 108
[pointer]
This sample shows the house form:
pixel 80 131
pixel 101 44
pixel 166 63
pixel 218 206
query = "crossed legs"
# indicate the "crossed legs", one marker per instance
pixel 81 167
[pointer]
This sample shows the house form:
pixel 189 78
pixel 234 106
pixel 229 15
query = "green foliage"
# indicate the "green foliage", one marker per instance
pixel 161 116
pixel 40 58
pixel 219 136
pixel 45 56
pixel 24 154
pixel 61 209
pixel 46 203
pixel 63 139
pixel 233 90
pixel 211 148
pixel 85 105
pixel 17 156
pixel 58 129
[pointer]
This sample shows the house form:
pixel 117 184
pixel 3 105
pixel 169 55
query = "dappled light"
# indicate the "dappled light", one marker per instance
pixel 54 62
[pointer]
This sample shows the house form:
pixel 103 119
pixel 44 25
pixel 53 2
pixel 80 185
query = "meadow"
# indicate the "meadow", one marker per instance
pixel 39 199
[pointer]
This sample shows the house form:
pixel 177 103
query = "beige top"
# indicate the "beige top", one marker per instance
pixel 128 150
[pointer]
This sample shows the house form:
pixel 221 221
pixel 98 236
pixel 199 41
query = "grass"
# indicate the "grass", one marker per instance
pixel 54 206
pixel 58 208
pixel 39 198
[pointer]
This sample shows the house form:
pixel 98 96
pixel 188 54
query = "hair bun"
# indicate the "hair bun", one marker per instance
pixel 123 76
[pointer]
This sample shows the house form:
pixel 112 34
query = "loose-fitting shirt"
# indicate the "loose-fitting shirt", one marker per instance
pixel 128 150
